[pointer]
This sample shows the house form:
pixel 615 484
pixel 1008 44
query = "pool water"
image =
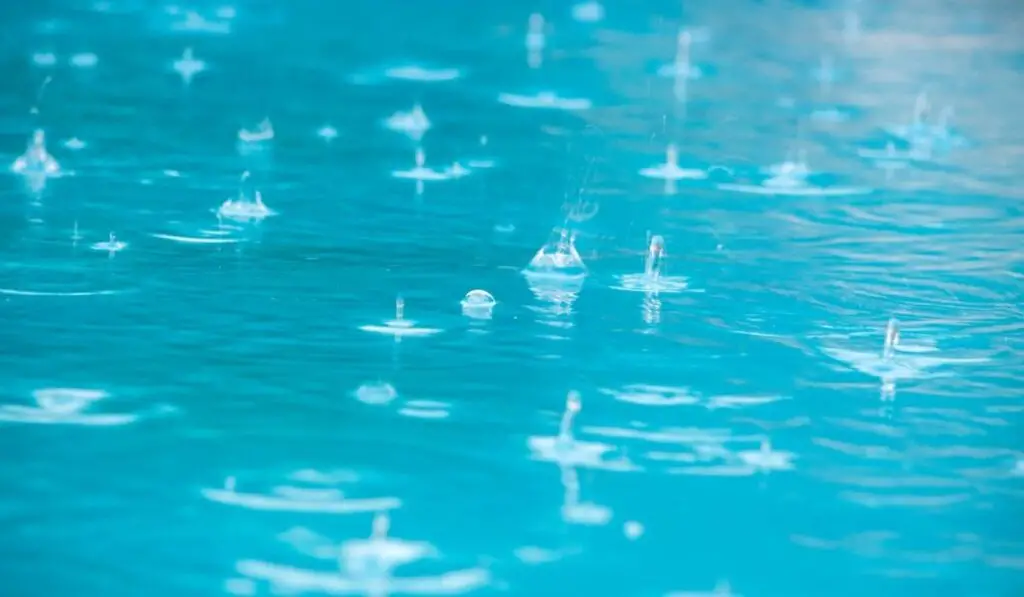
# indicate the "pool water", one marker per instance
pixel 206 395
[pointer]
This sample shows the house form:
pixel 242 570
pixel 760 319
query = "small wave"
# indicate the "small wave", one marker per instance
pixel 753 189
pixel 196 240
pixel 290 579
pixel 260 501
pixel 39 416
pixel 17 292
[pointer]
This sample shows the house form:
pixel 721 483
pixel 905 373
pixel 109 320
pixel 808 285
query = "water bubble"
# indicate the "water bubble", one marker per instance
pixel 478 304
pixel 327 133
pixel 44 59
pixel 588 12
pixel 632 530
pixel 84 60
pixel 478 298
pixel 376 393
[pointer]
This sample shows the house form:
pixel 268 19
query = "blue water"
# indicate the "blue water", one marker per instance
pixel 240 369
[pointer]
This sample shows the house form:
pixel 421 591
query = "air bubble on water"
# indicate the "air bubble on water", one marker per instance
pixel 632 530
pixel 327 133
pixel 590 11
pixel 376 393
pixel 84 60
pixel 44 59
pixel 478 304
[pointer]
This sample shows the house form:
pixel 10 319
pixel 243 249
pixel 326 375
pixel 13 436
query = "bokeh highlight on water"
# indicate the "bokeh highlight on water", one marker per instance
pixel 708 376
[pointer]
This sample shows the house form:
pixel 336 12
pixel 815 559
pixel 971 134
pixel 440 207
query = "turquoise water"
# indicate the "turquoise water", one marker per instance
pixel 227 427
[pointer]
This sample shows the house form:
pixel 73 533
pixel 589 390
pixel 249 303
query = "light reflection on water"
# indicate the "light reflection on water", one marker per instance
pixel 753 429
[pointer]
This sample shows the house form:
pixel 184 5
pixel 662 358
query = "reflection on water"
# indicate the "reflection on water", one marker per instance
pixel 821 390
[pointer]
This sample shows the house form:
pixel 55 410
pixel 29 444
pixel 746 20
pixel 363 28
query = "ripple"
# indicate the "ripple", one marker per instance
pixel 69 406
pixel 294 580
pixel 298 499
pixel 17 292
pixel 425 409
pixel 649 395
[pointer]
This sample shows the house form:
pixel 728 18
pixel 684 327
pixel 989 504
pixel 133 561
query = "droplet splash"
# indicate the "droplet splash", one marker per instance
pixel 263 133
pixel 791 177
pixel 421 173
pixel 399 327
pixel 36 161
pixel 243 208
pixel 557 260
pixel 565 450
pixel 671 172
pixel 65 406
pixel 892 339
pixel 921 131
pixel 188 66
pixel 652 280
pixel 366 567
pixel 681 69
pixel 294 498
pixel 414 123
pixel 111 245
